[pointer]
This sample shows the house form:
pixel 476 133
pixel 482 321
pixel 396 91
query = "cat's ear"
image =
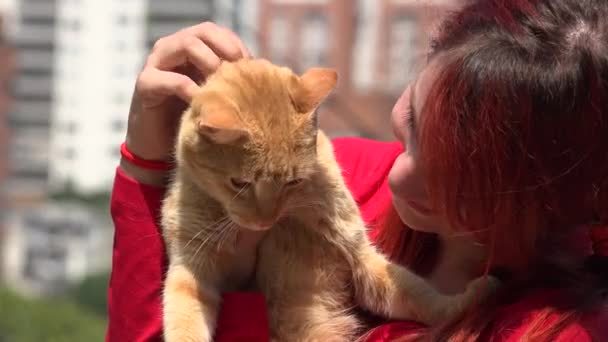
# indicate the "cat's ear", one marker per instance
pixel 312 88
pixel 219 123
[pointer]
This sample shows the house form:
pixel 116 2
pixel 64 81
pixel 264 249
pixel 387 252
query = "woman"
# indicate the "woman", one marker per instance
pixel 500 167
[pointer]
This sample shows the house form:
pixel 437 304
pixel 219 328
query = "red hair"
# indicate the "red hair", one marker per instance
pixel 515 142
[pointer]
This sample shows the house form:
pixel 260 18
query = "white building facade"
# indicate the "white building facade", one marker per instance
pixel 102 46
pixel 100 50
pixel 51 248
pixel 29 120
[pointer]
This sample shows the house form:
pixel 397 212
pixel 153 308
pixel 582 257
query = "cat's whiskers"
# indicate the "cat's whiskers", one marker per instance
pixel 213 237
pixel 237 194
pixel 228 232
pixel 207 228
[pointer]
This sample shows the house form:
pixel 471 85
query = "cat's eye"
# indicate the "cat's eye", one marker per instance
pixel 239 184
pixel 294 182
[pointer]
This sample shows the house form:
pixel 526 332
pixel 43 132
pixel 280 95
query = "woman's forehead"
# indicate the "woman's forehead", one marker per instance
pixel 422 85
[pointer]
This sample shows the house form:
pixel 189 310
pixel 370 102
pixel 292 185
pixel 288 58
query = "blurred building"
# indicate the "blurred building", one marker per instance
pixel 167 17
pixel 9 9
pixel 53 247
pixel 241 16
pixel 376 45
pixel 7 66
pixel 100 46
pixel 79 61
pixel 29 120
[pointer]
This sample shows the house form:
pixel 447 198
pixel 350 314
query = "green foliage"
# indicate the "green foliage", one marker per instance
pixel 91 294
pixel 46 320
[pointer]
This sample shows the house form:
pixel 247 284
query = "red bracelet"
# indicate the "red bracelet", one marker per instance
pixel 143 163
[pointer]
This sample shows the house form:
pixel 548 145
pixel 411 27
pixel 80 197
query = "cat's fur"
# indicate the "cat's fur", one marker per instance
pixel 255 121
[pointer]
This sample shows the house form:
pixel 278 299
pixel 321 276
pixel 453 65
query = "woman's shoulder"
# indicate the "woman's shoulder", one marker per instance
pixel 540 312
pixel 365 163
pixel 354 150
pixel 365 166
pixel 528 318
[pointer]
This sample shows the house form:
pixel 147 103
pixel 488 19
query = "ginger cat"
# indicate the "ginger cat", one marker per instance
pixel 250 156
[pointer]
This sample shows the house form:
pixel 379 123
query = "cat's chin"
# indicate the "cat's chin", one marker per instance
pixel 257 228
pixel 252 227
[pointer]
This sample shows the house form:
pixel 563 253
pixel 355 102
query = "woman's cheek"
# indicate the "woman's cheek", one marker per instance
pixel 401 174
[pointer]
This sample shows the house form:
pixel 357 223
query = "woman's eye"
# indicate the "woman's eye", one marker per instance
pixel 294 182
pixel 239 184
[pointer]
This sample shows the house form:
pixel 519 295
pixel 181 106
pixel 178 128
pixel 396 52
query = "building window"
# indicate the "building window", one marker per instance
pixel 45 264
pixel 314 41
pixel 121 45
pixel 75 25
pixel 71 127
pixel 279 38
pixel 115 152
pixel 69 153
pixel 122 20
pixel 120 71
pixel 118 125
pixel 120 98
pixel 402 52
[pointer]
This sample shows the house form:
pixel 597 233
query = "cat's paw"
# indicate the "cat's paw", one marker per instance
pixel 445 307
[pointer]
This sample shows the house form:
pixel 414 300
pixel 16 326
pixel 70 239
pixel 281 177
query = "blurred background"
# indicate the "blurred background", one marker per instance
pixel 67 70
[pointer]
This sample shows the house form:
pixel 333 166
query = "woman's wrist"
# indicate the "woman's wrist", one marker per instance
pixel 156 178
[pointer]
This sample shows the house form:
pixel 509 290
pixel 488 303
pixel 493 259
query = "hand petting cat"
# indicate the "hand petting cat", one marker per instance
pixel 164 88
pixel 172 72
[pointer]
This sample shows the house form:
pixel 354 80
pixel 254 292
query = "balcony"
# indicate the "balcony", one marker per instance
pixel 33 86
pixel 179 9
pixel 36 35
pixel 35 10
pixel 41 60
pixel 30 113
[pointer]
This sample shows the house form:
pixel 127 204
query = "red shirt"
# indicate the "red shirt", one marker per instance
pixel 139 262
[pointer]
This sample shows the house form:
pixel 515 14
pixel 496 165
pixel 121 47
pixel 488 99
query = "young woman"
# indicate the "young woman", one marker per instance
pixel 501 166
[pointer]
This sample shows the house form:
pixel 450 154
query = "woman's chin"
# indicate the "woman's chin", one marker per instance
pixel 416 221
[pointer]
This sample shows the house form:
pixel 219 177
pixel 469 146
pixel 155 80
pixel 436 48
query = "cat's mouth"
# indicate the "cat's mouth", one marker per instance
pixel 253 225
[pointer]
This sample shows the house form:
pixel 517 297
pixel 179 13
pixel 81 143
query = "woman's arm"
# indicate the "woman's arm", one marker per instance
pixel 163 89
pixel 138 268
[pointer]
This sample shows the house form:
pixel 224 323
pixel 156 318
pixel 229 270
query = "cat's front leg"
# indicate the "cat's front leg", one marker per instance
pixel 189 308
pixel 395 292
pixel 477 290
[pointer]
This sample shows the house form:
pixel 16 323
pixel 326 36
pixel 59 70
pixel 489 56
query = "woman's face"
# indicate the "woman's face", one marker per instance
pixel 406 178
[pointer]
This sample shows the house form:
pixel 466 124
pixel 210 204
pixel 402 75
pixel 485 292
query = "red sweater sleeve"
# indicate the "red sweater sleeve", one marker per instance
pixel 138 267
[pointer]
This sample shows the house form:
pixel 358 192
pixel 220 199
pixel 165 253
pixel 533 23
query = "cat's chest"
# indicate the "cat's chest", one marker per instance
pixel 295 256
pixel 239 261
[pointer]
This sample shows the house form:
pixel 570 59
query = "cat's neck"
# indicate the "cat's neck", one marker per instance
pixel 196 194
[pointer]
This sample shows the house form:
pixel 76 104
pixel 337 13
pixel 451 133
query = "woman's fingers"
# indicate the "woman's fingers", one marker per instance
pixel 245 53
pixel 155 82
pixel 202 46
pixel 223 42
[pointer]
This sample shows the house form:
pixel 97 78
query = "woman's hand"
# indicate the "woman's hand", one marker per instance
pixel 170 77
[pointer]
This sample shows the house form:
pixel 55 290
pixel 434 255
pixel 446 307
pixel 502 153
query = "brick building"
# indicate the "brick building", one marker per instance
pixel 376 46
pixel 7 66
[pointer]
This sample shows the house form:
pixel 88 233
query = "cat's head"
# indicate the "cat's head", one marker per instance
pixel 249 138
